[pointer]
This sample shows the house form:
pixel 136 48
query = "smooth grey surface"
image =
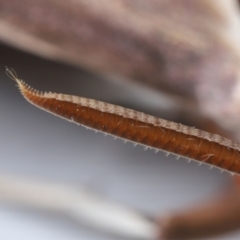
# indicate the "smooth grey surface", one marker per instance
pixel 36 144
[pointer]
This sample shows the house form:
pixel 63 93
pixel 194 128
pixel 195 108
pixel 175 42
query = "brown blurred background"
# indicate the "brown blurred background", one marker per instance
pixel 138 64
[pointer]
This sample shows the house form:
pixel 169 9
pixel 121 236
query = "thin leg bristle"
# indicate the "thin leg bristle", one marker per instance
pixel 167 154
pixel 10 72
